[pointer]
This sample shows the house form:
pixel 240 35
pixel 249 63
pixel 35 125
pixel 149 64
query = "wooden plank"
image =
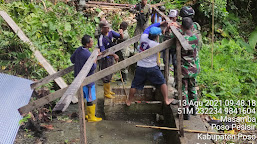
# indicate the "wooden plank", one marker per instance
pixel 42 101
pixel 179 80
pixel 181 39
pixel 51 77
pixel 69 69
pixel 120 46
pixel 110 4
pixel 61 83
pixel 127 62
pixel 64 102
pixel 97 76
pixel 82 121
pixel 105 6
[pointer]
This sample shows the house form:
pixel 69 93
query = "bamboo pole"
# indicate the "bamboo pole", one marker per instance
pixel 212 34
pixel 82 121
pixel 123 85
pixel 176 129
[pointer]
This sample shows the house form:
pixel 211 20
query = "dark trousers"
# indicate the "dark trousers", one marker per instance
pixel 105 63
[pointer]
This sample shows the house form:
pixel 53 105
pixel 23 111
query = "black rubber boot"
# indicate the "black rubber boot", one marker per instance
pixel 124 76
pixel 194 110
pixel 186 115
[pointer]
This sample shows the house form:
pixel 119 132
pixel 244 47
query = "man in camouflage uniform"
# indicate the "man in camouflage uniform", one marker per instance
pixel 189 64
pixel 143 12
pixel 188 11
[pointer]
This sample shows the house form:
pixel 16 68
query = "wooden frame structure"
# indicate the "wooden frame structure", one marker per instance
pixel 68 92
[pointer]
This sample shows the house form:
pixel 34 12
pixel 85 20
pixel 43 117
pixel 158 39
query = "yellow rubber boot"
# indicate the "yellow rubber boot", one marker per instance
pixel 107 91
pixel 91 114
pixel 109 86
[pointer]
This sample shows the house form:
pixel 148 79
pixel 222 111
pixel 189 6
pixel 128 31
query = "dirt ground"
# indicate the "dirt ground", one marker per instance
pixel 64 127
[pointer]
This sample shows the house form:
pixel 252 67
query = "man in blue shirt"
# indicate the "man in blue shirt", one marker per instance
pixel 105 42
pixel 147 68
pixel 79 58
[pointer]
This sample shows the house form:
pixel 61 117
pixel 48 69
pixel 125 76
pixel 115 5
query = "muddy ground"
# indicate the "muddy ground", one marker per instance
pixel 64 127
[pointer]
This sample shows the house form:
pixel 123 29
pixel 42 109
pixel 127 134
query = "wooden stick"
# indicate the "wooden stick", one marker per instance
pixel 212 34
pixel 176 129
pixel 82 121
pixel 97 76
pixel 123 85
pixel 179 80
pixel 64 102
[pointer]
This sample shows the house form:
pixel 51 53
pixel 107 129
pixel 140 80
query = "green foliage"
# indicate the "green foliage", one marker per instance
pixel 25 119
pixel 220 11
pixel 16 56
pixel 233 76
pixel 178 4
pixel 116 21
pixel 253 38
pixel 56 32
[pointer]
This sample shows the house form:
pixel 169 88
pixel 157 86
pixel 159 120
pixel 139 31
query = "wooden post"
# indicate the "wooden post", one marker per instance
pixel 64 102
pixel 179 80
pixel 82 121
pixel 212 34
pixel 97 76
pixel 166 72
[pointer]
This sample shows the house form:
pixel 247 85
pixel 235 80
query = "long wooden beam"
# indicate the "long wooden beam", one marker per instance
pixel 69 69
pixel 37 54
pixel 114 68
pixel 122 5
pixel 64 102
pixel 181 39
pixel 61 83
pixel 110 4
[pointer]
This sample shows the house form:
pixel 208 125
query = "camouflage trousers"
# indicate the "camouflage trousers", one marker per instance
pixel 189 92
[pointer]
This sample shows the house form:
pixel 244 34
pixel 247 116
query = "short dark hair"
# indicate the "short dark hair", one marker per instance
pixel 187 23
pixel 85 39
pixel 124 25
pixel 152 37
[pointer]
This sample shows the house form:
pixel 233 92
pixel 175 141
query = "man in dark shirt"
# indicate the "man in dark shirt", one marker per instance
pixel 79 58
pixel 104 43
pixel 143 11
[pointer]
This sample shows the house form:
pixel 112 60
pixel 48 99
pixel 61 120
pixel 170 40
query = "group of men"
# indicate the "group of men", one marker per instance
pixel 147 69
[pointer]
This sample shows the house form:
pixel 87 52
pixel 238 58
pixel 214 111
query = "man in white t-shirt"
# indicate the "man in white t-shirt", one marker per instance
pixel 147 68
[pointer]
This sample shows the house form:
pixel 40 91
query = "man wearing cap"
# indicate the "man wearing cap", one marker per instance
pixel 147 68
pixel 105 42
